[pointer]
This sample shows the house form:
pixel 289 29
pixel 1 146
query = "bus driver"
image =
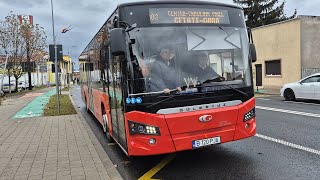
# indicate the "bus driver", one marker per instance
pixel 202 70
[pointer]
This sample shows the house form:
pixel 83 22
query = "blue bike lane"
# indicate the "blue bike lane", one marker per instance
pixel 36 107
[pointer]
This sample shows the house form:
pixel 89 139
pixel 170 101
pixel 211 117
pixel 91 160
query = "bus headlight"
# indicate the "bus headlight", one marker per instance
pixel 138 128
pixel 249 115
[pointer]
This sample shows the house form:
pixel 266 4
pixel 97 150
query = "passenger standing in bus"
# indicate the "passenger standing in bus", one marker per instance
pixel 143 67
pixel 163 74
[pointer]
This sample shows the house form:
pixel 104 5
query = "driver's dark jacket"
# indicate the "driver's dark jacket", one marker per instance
pixel 204 74
pixel 163 76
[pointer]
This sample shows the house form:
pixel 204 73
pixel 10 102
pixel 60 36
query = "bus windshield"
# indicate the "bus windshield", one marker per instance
pixel 186 57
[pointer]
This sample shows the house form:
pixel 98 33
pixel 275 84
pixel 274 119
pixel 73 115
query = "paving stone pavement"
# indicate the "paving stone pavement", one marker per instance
pixel 60 147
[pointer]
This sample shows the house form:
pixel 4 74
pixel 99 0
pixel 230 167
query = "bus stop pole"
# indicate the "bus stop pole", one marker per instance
pixel 57 77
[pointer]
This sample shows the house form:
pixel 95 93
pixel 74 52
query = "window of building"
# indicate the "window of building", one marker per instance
pixel 273 68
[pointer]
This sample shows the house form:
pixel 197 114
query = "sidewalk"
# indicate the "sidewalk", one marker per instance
pixel 61 147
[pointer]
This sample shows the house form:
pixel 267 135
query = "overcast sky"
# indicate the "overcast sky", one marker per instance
pixel 87 16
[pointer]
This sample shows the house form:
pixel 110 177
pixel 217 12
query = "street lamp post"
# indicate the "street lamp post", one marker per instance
pixel 55 60
pixel 65 30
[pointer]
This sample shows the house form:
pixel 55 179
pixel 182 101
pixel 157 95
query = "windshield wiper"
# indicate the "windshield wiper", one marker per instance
pixel 159 102
pixel 227 85
pixel 219 79
pixel 241 92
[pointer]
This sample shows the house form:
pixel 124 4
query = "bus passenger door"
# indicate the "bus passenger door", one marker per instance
pixel 90 98
pixel 116 102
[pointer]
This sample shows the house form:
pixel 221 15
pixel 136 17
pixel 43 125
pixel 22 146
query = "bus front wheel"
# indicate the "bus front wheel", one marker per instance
pixel 86 103
pixel 87 107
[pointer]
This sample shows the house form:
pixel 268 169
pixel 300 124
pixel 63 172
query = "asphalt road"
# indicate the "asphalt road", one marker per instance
pixel 287 147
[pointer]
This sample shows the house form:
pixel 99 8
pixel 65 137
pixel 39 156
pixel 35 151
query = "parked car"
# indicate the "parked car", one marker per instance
pixel 306 88
pixel 22 85
pixel 6 87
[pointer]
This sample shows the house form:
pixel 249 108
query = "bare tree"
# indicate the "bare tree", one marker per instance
pixel 22 42
pixel 35 42
pixel 13 44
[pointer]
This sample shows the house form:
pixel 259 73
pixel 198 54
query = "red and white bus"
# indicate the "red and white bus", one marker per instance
pixel 138 108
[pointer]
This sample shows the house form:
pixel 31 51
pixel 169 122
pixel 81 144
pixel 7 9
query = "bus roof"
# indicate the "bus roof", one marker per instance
pixel 164 2
pixel 178 2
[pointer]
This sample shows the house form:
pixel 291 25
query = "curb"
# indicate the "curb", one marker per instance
pixel 267 93
pixel 108 165
pixel 271 94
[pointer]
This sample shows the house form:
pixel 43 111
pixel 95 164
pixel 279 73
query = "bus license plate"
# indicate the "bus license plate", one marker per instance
pixel 205 142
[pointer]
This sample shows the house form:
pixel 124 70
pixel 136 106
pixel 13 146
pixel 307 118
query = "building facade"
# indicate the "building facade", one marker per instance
pixel 65 73
pixel 286 51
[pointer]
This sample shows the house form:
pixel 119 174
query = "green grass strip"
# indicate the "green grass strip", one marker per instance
pixel 66 107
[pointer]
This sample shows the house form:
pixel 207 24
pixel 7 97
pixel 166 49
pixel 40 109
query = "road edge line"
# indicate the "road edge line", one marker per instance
pixel 288 111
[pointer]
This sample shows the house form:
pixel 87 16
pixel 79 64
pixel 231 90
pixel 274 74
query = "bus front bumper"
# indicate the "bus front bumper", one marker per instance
pixel 140 145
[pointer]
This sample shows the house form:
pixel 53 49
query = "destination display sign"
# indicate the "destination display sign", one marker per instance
pixel 188 16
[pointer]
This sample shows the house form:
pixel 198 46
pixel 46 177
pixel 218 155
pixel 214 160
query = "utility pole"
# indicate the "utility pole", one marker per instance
pixel 55 59
pixel 37 65
pixel 28 60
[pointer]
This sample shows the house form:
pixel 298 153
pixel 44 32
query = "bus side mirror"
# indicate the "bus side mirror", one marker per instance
pixel 118 41
pixel 253 53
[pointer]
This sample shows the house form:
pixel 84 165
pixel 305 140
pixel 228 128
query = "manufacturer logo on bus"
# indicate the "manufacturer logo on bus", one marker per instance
pixel 199 107
pixel 205 118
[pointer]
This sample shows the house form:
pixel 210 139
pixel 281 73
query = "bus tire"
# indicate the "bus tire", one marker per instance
pixel 289 95
pixel 86 103
pixel 106 126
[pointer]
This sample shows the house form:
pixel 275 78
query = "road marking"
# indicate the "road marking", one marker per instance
pixel 289 111
pixel 295 146
pixel 264 99
pixel 157 168
pixel 295 102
